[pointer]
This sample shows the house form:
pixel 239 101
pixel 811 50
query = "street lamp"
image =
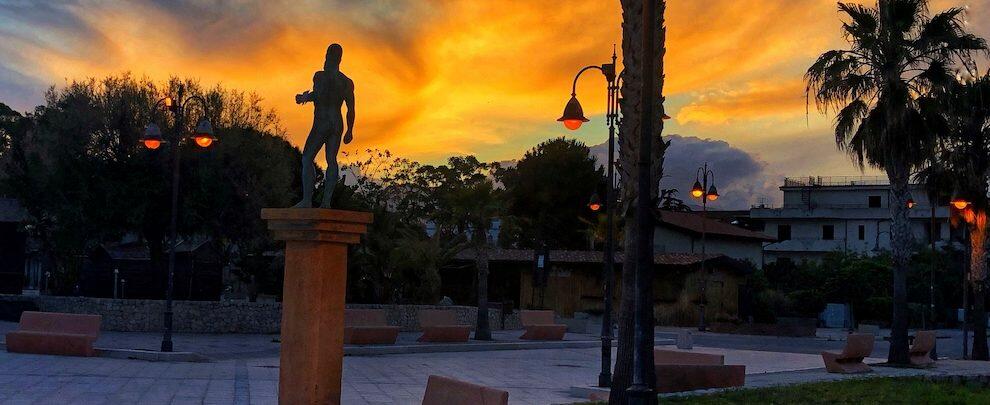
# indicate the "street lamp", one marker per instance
pixel 572 118
pixel 704 189
pixel 203 137
pixel 595 203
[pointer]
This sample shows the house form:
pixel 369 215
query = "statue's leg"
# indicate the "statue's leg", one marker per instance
pixel 333 169
pixel 313 143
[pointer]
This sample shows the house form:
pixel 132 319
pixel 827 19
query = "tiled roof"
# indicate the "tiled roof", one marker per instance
pixel 692 222
pixel 586 256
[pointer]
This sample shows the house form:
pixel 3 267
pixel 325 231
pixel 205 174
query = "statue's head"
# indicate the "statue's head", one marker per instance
pixel 334 53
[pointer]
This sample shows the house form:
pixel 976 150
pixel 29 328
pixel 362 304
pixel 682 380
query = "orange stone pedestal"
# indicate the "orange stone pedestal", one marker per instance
pixel 316 242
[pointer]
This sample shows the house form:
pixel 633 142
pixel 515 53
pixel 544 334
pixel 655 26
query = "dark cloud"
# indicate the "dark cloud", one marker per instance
pixel 742 178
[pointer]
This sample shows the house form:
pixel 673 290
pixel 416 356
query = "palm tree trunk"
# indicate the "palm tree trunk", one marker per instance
pixel 977 279
pixel 483 330
pixel 631 106
pixel 900 235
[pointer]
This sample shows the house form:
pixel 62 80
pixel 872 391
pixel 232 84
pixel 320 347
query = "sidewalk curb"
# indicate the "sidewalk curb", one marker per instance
pixel 147 355
pixel 150 355
pixel 476 347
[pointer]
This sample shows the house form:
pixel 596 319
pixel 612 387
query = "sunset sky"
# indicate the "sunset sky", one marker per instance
pixel 445 77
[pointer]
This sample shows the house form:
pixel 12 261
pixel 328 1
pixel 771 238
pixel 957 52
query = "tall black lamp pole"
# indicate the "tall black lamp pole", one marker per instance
pixel 572 118
pixel 704 188
pixel 203 136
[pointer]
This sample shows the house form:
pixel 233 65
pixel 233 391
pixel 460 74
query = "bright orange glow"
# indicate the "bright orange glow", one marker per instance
pixel 573 124
pixel 910 203
pixel 152 143
pixel 960 204
pixel 203 141
pixel 712 197
pixel 168 102
pixel 696 193
pixel 594 206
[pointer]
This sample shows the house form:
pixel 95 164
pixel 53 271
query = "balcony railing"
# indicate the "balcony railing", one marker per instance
pixel 812 181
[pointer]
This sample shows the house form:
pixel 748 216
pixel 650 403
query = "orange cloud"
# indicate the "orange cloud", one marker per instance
pixel 441 77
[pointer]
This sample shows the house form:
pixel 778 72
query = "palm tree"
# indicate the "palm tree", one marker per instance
pixel 960 115
pixel 631 106
pixel 897 53
pixel 467 203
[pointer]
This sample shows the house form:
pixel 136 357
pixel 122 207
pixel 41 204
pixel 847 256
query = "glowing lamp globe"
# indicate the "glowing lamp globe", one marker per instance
pixel 595 204
pixel 959 203
pixel 152 138
pixel 910 203
pixel 573 115
pixel 203 141
pixel 152 143
pixel 203 135
pixel 712 194
pixel 697 191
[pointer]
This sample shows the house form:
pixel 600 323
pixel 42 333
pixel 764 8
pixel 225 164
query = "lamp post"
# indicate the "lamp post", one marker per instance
pixel 704 189
pixel 203 137
pixel 572 118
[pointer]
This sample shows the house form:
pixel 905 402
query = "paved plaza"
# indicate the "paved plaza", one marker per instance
pixel 245 371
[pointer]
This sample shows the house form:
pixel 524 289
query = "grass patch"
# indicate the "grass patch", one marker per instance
pixel 857 391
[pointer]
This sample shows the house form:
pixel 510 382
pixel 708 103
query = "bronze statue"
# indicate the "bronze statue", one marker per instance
pixel 331 89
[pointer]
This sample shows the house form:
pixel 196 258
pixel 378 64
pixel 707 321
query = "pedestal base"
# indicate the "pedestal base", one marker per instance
pixel 313 299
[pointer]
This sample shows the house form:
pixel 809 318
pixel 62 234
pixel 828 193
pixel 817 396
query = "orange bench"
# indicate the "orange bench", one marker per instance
pixel 678 371
pixel 441 325
pixel 368 327
pixel 924 342
pixel 540 325
pixel 448 391
pixel 55 333
pixel 850 359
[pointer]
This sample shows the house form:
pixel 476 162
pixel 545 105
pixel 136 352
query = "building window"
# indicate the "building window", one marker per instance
pixel 828 232
pixel 783 232
pixel 862 232
pixel 875 201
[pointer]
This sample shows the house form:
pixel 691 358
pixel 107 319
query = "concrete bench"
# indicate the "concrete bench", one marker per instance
pixel 924 342
pixel 850 359
pixel 55 333
pixel 448 391
pixel 442 326
pixel 678 371
pixel 368 327
pixel 541 325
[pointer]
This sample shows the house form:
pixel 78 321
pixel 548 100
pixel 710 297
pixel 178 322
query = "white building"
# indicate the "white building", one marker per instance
pixel 681 232
pixel 849 214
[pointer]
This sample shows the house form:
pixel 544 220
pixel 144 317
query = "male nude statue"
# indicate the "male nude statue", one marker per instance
pixel 330 89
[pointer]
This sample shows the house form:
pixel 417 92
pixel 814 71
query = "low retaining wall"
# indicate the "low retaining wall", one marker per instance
pixel 220 316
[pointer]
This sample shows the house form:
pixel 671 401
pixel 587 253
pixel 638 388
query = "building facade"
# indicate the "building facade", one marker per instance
pixel 681 232
pixel 846 214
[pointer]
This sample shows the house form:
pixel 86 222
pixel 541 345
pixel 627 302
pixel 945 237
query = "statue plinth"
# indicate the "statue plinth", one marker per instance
pixel 313 294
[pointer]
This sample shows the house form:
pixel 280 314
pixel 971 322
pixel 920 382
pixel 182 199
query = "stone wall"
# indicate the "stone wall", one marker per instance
pixel 221 316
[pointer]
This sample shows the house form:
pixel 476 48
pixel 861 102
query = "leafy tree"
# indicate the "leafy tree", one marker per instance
pixel 547 193
pixel 669 201
pixel 80 172
pixel 960 116
pixel 896 52
pixel 466 203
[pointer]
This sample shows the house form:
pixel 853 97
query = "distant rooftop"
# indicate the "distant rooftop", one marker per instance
pixel 819 181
